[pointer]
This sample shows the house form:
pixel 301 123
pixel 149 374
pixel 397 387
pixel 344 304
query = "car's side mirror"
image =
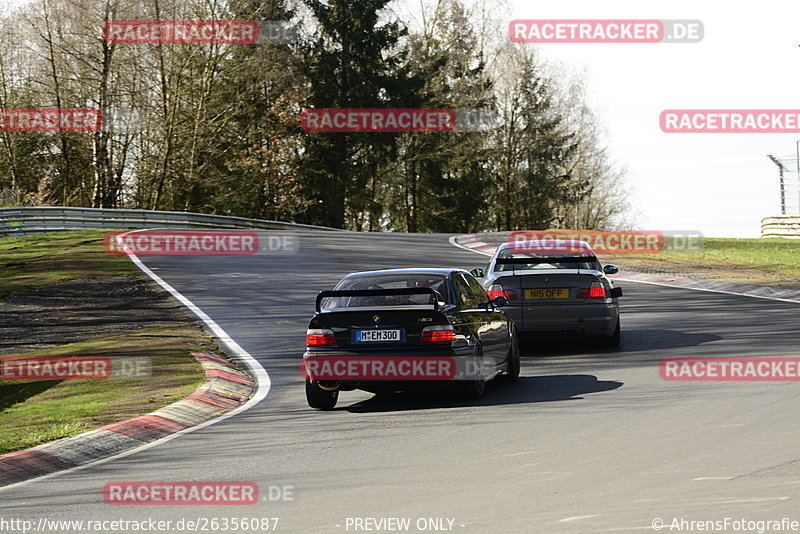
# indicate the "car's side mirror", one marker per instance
pixel 477 272
pixel 611 269
pixel 499 302
pixel 616 292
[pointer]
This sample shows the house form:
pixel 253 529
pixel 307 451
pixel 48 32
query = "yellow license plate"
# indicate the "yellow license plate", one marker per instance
pixel 549 293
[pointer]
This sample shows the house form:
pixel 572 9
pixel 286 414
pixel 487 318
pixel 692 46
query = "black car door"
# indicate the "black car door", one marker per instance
pixel 496 322
pixel 479 320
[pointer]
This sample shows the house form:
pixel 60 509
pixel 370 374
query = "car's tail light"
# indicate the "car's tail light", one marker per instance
pixel 437 333
pixel 498 291
pixel 596 291
pixel 321 336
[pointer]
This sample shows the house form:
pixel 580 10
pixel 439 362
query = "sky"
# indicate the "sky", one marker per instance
pixel 719 184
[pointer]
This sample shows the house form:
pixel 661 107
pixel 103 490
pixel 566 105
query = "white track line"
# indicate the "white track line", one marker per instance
pixel 263 381
pixel 709 290
pixel 455 244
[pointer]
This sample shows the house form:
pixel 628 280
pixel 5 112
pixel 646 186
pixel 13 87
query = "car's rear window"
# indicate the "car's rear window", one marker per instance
pixel 544 261
pixel 434 281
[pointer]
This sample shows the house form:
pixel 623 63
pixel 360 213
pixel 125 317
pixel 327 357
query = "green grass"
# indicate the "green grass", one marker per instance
pixel 774 255
pixel 36 412
pixel 32 413
pixel 30 262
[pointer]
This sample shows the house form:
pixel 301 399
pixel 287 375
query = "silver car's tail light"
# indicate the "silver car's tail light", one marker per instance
pixel 596 291
pixel 498 291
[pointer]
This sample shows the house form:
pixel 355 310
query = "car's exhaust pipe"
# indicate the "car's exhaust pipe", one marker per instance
pixel 329 386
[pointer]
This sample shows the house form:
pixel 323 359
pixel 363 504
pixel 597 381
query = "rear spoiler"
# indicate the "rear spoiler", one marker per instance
pixel 549 259
pixel 435 296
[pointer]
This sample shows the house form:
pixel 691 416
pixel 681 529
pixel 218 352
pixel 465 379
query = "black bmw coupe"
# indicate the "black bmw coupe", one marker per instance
pixel 388 330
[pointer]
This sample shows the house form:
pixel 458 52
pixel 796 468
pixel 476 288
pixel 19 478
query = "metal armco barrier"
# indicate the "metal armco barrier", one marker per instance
pixel 26 221
pixel 780 227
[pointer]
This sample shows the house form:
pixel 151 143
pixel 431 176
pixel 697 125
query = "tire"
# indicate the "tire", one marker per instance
pixel 320 399
pixel 512 360
pixel 615 338
pixel 473 389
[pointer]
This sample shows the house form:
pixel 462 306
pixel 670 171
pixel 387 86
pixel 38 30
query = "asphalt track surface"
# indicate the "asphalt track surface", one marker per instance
pixel 587 441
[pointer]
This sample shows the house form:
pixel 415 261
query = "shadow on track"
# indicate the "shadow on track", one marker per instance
pixel 632 341
pixel 526 390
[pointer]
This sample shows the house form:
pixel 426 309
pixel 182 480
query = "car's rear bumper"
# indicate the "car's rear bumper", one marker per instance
pixel 389 369
pixel 589 319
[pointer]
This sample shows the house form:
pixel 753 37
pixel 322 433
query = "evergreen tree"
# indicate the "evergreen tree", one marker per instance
pixel 354 62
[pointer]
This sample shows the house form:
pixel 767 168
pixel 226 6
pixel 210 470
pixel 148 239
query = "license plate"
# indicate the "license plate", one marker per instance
pixel 378 336
pixel 548 293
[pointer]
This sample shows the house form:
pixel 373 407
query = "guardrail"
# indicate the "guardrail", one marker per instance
pixel 27 221
pixel 780 227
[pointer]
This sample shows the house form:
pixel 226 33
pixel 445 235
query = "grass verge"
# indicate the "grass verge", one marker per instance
pixel 30 262
pixel 32 413
pixel 767 262
pixel 37 412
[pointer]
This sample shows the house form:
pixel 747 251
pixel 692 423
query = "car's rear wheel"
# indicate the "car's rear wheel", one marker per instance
pixel 319 398
pixel 615 338
pixel 512 360
pixel 473 388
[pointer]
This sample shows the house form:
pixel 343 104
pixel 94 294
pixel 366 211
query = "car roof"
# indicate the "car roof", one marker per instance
pixel 421 270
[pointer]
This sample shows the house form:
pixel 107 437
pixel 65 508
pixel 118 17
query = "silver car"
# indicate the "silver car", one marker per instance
pixel 555 289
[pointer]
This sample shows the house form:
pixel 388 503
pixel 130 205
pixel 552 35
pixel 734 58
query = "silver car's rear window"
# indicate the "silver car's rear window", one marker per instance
pixel 562 261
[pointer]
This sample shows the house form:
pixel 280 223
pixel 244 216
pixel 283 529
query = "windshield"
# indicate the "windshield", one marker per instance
pixel 389 281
